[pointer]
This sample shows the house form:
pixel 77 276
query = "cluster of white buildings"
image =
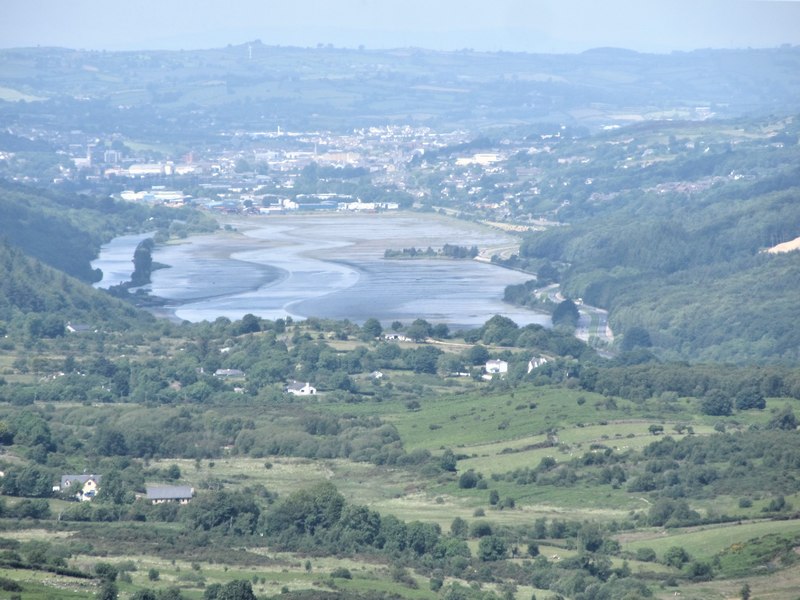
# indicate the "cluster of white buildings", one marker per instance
pixel 138 170
pixel 155 195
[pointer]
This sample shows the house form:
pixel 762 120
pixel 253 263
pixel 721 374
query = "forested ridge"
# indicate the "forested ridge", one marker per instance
pixel 37 301
pixel 674 243
pixel 66 230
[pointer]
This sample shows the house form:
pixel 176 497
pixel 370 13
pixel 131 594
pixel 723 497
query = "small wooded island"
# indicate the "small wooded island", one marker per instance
pixel 446 251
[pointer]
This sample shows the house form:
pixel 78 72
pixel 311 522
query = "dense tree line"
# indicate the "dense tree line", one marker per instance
pixel 270 359
pixel 699 249
pixel 195 432
pixel 742 387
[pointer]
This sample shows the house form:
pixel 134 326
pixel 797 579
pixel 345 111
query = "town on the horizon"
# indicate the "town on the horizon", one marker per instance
pixel 271 172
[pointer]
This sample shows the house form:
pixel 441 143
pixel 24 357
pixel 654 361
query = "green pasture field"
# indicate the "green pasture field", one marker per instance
pixel 373 584
pixel 501 457
pixel 492 432
pixel 8 372
pixel 729 505
pixel 278 571
pixel 41 585
pixel 479 417
pixel 359 482
pixel 706 541
pixel 478 422
pixel 557 553
pixel 399 492
pixel 29 535
pixel 781 585
pixel 6 363
pixel 443 508
pixel 192 577
pixel 574 502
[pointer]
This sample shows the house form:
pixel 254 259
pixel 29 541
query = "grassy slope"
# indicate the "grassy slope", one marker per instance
pixel 706 541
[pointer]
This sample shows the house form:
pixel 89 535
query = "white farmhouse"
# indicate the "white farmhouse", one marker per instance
pixel 300 389
pixel 536 362
pixel 496 367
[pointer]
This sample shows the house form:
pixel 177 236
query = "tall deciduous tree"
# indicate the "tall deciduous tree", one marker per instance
pixel 492 548
pixel 238 589
pixel 566 313
pixel 500 330
pixel 249 324
pixel 371 328
pixel 636 337
pixel 785 419
pixel 716 403
pixel 142 262
pixel 419 330
pixel 108 591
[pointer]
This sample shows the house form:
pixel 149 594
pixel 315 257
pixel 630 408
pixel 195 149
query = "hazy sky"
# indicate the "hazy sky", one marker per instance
pixel 515 25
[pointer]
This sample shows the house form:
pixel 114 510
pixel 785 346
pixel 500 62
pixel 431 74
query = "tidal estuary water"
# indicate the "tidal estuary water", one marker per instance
pixel 329 266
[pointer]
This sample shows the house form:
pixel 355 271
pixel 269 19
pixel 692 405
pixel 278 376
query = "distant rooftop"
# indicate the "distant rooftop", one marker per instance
pixel 169 492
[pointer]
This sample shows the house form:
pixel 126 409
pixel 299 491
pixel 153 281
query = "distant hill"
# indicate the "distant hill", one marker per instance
pixel 180 96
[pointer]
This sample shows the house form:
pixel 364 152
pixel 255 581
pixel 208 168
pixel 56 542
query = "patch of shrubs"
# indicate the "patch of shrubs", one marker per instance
pixel 341 573
pixel 9 585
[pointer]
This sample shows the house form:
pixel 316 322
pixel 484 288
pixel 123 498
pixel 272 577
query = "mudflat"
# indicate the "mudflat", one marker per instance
pixel 331 265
